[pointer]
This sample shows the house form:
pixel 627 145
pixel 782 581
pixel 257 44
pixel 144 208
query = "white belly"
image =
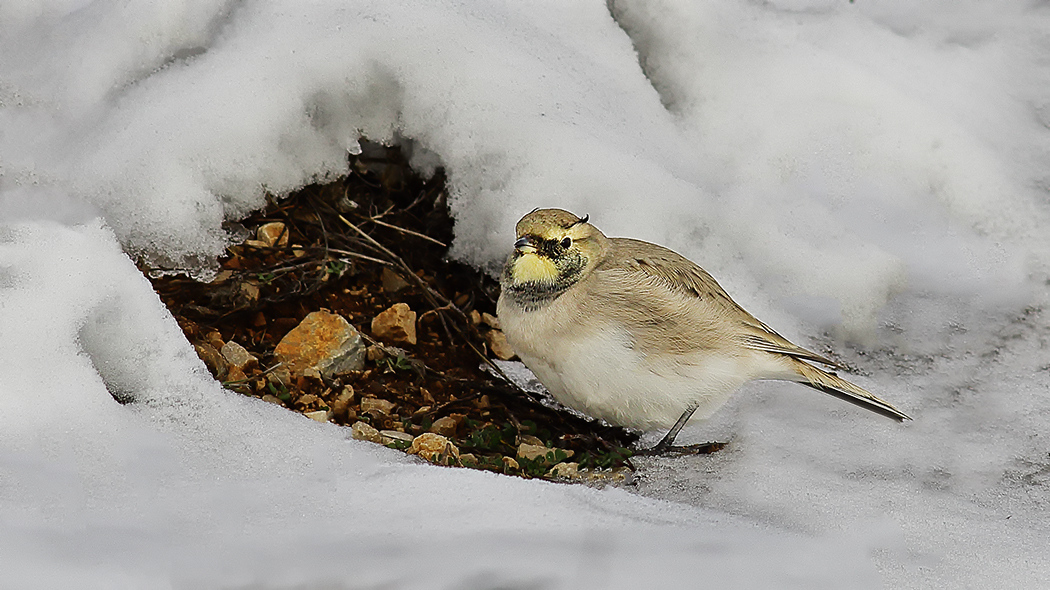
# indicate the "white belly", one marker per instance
pixel 598 372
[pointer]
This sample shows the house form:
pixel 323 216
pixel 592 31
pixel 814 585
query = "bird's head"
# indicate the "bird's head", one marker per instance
pixel 554 250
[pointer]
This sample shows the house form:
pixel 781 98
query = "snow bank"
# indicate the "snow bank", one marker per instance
pixel 873 170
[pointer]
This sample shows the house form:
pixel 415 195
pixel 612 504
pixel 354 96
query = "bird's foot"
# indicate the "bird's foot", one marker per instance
pixel 698 449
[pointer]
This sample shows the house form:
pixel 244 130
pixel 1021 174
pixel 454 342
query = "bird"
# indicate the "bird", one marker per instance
pixel 637 335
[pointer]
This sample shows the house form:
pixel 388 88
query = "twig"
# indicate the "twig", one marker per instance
pixel 408 231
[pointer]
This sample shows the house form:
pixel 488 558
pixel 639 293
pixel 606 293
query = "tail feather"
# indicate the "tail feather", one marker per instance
pixel 832 384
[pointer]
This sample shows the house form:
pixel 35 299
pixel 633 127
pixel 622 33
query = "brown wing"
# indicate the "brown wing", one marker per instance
pixel 680 274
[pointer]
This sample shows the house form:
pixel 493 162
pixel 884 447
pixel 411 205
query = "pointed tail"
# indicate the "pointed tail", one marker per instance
pixel 832 384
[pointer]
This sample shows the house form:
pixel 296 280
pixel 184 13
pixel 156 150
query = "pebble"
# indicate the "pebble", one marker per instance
pixel 238 356
pixel 490 320
pixel 396 324
pixel 363 431
pixel 509 464
pixel 319 415
pixel 468 460
pixel 376 405
pixel 565 471
pixel 435 448
pixel 540 453
pixel 342 403
pixel 323 341
pixel 447 425
pixel 213 359
pixel 280 376
pixel 273 399
pixel 392 282
pixel 389 436
pixel 499 346
pixel 272 234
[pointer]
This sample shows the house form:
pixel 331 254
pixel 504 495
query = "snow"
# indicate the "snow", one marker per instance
pixel 863 176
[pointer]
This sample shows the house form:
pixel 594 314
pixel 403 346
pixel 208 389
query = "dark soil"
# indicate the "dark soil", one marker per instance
pixel 263 292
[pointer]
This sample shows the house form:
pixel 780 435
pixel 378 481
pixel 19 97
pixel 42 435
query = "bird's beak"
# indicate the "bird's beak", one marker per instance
pixel 525 244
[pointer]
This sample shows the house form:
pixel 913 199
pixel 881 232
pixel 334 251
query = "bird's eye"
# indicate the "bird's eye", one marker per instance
pixel 565 243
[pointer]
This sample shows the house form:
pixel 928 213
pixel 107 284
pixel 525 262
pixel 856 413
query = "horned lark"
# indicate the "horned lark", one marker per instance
pixel 637 335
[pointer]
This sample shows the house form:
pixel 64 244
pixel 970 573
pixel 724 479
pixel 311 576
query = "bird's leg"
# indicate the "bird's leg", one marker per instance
pixel 665 442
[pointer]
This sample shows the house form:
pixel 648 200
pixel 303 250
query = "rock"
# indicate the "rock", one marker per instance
pixel 435 448
pixel 447 425
pixel 235 374
pixel 342 403
pixel 247 295
pixel 213 359
pixel 272 234
pixel 509 464
pixel 499 346
pixel 319 415
pixel 324 341
pixel 542 453
pixel 308 399
pixel 490 320
pixel 273 399
pixel 396 324
pixel 475 317
pixel 529 439
pixel 375 405
pixel 215 339
pixel 392 282
pixel 363 431
pixel 280 376
pixel 390 436
pixel 565 471
pixel 238 356
pixel 468 460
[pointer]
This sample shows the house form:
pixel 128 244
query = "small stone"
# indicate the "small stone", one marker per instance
pixel 446 425
pixel 308 399
pixel 490 321
pixel 376 405
pixel 509 464
pixel 319 415
pixel 468 460
pixel 324 341
pixel 389 436
pixel 542 453
pixel 392 282
pixel 235 374
pixel 475 317
pixel 342 403
pixel 532 440
pixel 434 448
pixel 375 353
pixel 363 431
pixel 280 376
pixel 238 356
pixel 215 339
pixel 247 295
pixel 272 234
pixel 213 359
pixel 273 399
pixel 396 324
pixel 565 471
pixel 499 346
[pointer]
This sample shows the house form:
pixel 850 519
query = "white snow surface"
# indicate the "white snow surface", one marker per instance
pixel 867 177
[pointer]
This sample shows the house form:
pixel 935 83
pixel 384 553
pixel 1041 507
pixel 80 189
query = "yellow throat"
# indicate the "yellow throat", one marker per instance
pixel 533 268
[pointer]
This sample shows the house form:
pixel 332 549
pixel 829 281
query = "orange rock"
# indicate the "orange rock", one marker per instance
pixel 396 324
pixel 324 341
